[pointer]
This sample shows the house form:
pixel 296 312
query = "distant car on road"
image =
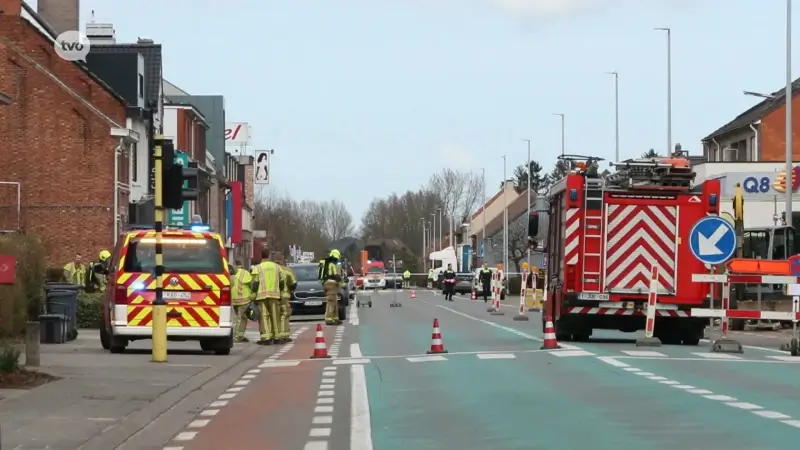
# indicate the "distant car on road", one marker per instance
pixel 375 278
pixel 309 297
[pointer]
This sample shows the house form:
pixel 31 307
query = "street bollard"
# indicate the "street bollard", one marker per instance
pixel 32 339
pixel 159 351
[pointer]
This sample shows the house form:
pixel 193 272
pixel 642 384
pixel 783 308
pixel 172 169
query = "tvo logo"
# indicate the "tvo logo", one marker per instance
pixel 72 46
pixel 762 185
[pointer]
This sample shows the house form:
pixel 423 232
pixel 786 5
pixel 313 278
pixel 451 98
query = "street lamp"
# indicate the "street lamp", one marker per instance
pixel 789 174
pixel 616 112
pixel 441 232
pixel 433 231
pixel 530 179
pixel 669 87
pixel 483 230
pixel 505 217
pixel 424 260
pixel 760 95
pixel 562 131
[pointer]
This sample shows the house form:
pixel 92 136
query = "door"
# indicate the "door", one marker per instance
pixel 640 236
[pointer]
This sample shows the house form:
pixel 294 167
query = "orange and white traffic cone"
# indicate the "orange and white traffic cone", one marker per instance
pixel 436 340
pixel 550 342
pixel 320 350
pixel 413 294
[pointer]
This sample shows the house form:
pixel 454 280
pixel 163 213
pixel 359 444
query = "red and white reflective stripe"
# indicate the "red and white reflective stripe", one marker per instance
pixel 319 341
pixel 744 314
pixel 726 304
pixel 549 332
pixel 622 311
pixel 651 303
pixel 572 236
pixel 437 337
pixel 750 279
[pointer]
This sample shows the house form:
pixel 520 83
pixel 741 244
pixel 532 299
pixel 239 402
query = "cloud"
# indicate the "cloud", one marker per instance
pixel 455 156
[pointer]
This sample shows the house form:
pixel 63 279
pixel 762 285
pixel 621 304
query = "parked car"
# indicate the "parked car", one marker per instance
pixel 309 297
pixel 463 283
pixel 394 280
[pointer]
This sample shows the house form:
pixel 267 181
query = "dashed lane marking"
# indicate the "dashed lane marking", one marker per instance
pixel 717 356
pixel 214 407
pixel 427 358
pixel 496 356
pixel 644 353
pixel 569 353
pixel 727 400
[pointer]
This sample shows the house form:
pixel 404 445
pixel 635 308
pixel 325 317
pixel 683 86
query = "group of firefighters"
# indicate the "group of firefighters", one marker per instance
pixel 92 275
pixel 268 286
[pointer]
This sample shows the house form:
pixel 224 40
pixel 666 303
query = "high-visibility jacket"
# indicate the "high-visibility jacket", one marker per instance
pixel 406 275
pixel 289 282
pixel 333 273
pixel 430 274
pixel 267 276
pixel 240 287
pixel 75 273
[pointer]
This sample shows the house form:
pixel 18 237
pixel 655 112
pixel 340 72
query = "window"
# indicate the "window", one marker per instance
pixel 134 162
pixel 181 255
pixel 141 86
pixel 376 269
pixel 306 272
pixel 730 153
pixel 756 244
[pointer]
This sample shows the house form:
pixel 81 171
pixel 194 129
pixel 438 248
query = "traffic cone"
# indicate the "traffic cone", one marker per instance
pixel 550 342
pixel 436 340
pixel 320 351
pixel 413 294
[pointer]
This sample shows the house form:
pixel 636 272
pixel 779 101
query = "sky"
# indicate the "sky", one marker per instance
pixel 362 98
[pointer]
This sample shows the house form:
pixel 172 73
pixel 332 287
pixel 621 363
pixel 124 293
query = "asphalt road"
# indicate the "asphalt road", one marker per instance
pixel 496 389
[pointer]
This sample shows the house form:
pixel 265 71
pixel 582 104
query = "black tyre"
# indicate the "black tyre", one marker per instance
pixel 117 344
pixel 342 313
pixel 105 338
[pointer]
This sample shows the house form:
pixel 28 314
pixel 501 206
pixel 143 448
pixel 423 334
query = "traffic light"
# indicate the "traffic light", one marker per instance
pixel 179 183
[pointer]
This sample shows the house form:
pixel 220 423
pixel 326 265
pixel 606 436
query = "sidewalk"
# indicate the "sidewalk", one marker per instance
pixel 86 408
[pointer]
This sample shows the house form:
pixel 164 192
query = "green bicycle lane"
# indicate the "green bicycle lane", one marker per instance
pixel 535 400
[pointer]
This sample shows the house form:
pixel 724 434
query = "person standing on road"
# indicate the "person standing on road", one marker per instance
pixel 331 277
pixel 267 285
pixel 240 293
pixel 449 281
pixel 485 277
pixel 75 271
pixel 430 278
pixel 289 285
pixel 406 279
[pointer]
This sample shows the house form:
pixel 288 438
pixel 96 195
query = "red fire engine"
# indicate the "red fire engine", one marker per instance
pixel 606 233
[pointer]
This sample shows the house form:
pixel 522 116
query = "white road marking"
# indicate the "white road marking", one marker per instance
pixel 235 389
pixel 185 436
pixel 614 362
pixel 432 358
pixel 717 356
pixel 324 401
pixel 351 361
pixel 199 423
pixel 322 420
pixel 355 351
pixel 280 364
pixel 793 359
pixel 326 386
pixel 242 383
pixel 568 353
pixel 209 412
pixel 226 396
pixel 644 353
pixel 496 356
pixel 360 424
pixel 329 380
pixel 725 399
pixel 320 432
pixel 218 404
pixel 316 445
pixel 323 409
pixel 645 374
pixel 325 394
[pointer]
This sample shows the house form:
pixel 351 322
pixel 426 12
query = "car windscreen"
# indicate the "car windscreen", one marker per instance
pixel 376 270
pixel 306 273
pixel 180 255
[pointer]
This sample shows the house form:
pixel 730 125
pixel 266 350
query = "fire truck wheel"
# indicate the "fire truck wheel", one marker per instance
pixel 581 337
pixel 117 344
pixel 105 338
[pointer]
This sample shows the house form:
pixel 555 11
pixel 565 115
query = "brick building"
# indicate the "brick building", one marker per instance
pixel 56 140
pixel 757 134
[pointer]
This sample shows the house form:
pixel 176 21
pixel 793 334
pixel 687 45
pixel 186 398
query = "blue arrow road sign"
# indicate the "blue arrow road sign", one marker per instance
pixel 712 240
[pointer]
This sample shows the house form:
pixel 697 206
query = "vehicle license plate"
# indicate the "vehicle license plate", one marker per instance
pixel 177 295
pixel 585 296
pixel 313 303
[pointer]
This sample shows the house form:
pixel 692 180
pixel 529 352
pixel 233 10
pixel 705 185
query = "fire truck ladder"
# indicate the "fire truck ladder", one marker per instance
pixel 592 234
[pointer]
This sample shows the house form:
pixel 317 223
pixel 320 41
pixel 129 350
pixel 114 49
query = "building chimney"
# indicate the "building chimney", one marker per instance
pixel 61 15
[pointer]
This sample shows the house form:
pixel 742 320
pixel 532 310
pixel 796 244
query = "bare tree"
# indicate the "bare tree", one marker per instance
pixel 518 241
pixel 459 193
pixel 338 220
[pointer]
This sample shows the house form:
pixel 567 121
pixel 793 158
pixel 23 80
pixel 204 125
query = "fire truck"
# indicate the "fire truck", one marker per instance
pixel 607 232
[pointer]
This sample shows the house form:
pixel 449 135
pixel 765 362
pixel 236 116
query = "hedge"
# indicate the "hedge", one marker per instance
pixel 90 310
pixel 23 299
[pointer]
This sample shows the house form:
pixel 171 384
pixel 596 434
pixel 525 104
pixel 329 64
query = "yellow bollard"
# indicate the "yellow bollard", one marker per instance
pixel 159 338
pixel 159 333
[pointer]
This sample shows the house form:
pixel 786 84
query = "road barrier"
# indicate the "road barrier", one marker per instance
pixel 649 339
pixel 497 310
pixel 521 317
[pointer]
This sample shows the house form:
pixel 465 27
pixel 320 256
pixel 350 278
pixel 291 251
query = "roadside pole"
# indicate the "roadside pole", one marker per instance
pixel 394 303
pixel 159 306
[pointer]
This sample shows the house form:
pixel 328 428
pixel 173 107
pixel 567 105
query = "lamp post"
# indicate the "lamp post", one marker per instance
pixel 789 156
pixel 669 86
pixel 483 229
pixel 433 231
pixel 424 231
pixel 505 217
pixel 616 114
pixel 530 180
pixel 441 232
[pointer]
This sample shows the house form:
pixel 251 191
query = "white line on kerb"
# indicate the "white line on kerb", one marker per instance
pixel 360 424
pixel 355 351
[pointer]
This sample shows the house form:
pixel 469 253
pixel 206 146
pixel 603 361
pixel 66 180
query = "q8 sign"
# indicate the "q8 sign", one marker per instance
pixel 764 184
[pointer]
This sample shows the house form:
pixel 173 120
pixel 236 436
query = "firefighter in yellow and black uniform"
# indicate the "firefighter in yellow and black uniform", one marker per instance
pixel 289 285
pixel 331 277
pixel 267 286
